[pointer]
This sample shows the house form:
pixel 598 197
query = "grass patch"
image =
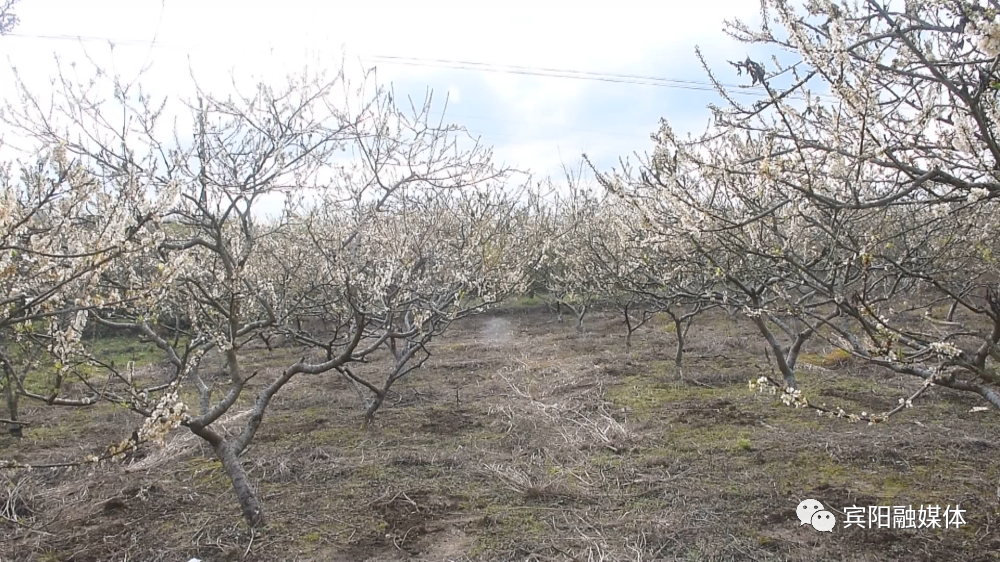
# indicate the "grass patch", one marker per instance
pixel 526 302
pixel 312 538
pixel 668 327
pixel 338 436
pixel 702 437
pixel 117 351
pixel 640 395
pixel 502 528
pixel 207 473
pixel 813 469
pixel 832 359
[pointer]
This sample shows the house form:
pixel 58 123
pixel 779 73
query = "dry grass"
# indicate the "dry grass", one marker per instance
pixel 523 440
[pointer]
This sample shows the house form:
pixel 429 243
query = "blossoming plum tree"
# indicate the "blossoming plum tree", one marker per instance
pixel 572 277
pixel 437 237
pixel 859 197
pixel 60 229
pixel 378 255
pixel 901 171
pixel 729 224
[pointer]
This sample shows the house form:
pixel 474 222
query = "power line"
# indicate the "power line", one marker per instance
pixel 90 39
pixel 546 74
pixel 618 78
pixel 636 79
pixel 608 77
pixel 476 131
pixel 559 72
pixel 450 114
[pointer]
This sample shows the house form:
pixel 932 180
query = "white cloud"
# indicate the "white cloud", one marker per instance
pixel 267 41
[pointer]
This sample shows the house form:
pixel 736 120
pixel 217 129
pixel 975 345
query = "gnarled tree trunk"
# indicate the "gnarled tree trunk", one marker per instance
pixel 245 494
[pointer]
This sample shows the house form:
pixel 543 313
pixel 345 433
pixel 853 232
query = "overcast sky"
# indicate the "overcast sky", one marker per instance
pixel 533 122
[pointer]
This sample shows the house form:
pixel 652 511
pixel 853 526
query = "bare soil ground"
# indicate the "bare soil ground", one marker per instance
pixel 524 440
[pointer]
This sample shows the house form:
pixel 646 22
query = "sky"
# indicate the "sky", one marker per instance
pixel 533 122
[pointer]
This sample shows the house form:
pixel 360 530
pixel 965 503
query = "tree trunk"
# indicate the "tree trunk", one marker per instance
pixel 579 317
pixel 205 400
pixel 15 429
pixel 245 494
pixel 204 392
pixel 266 340
pixel 951 311
pixel 679 332
pixel 376 403
pixel 787 371
pixel 628 327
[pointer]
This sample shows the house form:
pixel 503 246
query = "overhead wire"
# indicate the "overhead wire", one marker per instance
pixel 546 72
pixel 617 78
pixel 154 44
